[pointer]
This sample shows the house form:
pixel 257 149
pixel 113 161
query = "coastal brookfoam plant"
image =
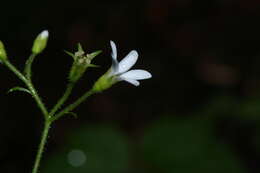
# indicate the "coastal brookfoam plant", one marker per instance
pixel 119 71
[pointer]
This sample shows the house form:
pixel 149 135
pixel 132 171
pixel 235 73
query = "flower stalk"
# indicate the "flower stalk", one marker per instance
pixel 42 144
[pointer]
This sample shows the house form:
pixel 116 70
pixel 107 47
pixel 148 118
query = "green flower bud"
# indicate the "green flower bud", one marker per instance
pixel 3 55
pixel 40 42
pixel 81 63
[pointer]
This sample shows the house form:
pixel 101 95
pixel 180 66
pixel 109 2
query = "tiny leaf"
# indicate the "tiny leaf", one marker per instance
pixel 94 54
pixel 72 113
pixel 18 89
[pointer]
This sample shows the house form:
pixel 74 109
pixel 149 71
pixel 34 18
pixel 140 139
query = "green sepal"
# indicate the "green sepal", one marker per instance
pixel 19 89
pixel 93 65
pixel 76 71
pixel 94 54
pixel 104 82
pixel 80 48
pixel 70 54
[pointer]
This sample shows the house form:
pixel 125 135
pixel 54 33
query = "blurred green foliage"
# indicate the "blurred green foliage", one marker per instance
pixel 105 150
pixel 169 145
pixel 187 145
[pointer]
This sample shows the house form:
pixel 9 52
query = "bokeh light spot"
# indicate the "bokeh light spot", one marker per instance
pixel 76 158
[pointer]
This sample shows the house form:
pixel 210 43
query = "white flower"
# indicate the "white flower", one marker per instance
pixel 120 70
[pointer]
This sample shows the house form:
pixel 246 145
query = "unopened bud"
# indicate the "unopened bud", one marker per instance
pixel 3 55
pixel 40 42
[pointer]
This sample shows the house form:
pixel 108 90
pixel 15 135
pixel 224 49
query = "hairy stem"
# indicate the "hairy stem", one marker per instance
pixel 30 86
pixel 41 146
pixel 62 99
pixel 28 66
pixel 72 106
pixel 15 71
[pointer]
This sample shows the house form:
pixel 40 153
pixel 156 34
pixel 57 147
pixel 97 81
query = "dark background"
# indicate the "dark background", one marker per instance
pixel 199 113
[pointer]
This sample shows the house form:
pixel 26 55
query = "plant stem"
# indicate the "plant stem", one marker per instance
pixel 62 99
pixel 38 100
pixel 27 80
pixel 41 146
pixel 15 71
pixel 72 106
pixel 28 66
pixel 49 117
pixel 30 86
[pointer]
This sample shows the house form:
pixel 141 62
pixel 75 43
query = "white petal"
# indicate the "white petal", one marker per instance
pixel 128 61
pixel 114 50
pixel 136 74
pixel 44 34
pixel 115 65
pixel 131 81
